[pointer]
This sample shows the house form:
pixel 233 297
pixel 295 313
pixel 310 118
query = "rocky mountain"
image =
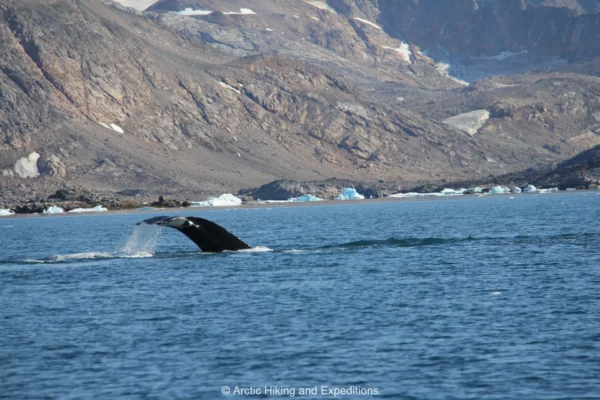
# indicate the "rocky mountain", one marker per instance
pixel 192 97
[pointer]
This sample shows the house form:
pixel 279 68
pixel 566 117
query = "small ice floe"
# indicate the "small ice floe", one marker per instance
pixel 443 193
pixel 530 189
pixel 5 211
pixel 551 190
pixel 364 21
pixel 403 50
pixel 224 200
pixel 304 198
pixel 511 197
pixel 496 293
pixel 54 210
pixel 93 209
pixel 516 189
pixel 223 84
pixel 350 194
pixel 499 190
pixel 269 30
pixel 243 11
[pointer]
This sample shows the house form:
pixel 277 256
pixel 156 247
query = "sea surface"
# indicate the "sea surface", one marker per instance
pixel 470 298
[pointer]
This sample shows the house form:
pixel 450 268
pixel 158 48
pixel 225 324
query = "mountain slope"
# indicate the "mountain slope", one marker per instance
pixel 192 105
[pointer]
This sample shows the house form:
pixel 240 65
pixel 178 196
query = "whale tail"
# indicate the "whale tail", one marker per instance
pixel 208 236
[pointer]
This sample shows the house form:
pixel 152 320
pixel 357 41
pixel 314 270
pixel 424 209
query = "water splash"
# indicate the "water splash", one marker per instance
pixel 141 242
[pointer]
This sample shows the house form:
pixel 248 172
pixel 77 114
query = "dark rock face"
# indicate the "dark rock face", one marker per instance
pixel 581 171
pixel 489 27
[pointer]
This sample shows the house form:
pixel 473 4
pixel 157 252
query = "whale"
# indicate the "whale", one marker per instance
pixel 208 236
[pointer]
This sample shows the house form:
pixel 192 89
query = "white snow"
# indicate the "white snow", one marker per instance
pixel 296 16
pixel 27 167
pixel 364 21
pixel 54 210
pixel 229 87
pixel 269 30
pixel 191 12
pixel 139 5
pixel 404 51
pixel 469 122
pixel 93 209
pixel 315 18
pixel 224 200
pixel 444 69
pixel 239 155
pixel 350 194
pixel 104 125
pixel 243 11
pixel 117 128
pixel 530 189
pixel 5 211
pixel 321 4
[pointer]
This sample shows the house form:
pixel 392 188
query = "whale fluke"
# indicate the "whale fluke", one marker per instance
pixel 210 237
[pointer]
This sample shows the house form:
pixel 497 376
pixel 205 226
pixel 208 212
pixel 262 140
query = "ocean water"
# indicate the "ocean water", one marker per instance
pixel 471 298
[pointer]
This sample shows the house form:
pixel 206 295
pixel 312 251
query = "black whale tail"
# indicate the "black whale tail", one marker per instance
pixel 208 236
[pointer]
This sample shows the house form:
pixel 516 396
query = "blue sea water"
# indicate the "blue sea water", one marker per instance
pixel 473 298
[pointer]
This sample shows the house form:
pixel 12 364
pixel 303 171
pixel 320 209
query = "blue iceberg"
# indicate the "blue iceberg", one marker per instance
pixel 305 198
pixel 350 194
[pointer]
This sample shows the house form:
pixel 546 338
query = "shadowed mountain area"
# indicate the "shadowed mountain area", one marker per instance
pixel 190 97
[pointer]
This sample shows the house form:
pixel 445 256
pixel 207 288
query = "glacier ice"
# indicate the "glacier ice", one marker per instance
pixel 499 190
pixel 350 194
pixel 54 210
pixel 304 198
pixel 517 189
pixel 224 200
pixel 93 209
pixel 5 212
pixel 530 189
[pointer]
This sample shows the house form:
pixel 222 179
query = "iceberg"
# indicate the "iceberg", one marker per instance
pixel 54 210
pixel 551 190
pixel 517 189
pixel 499 190
pixel 224 200
pixel 5 211
pixel 350 194
pixel 530 189
pixel 304 198
pixel 93 209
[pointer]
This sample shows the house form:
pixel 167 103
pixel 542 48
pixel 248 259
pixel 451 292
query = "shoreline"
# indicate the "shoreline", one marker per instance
pixel 253 205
